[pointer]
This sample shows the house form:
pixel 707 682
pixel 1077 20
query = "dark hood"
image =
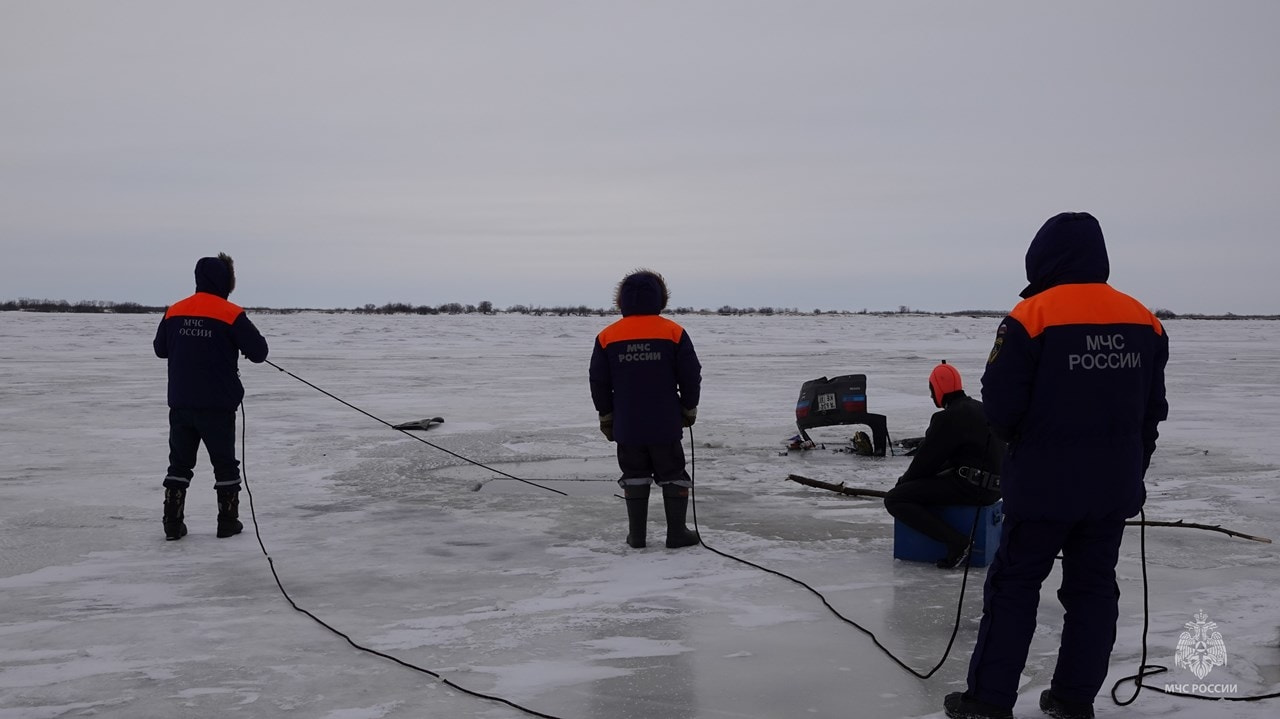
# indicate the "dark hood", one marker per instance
pixel 642 292
pixel 216 275
pixel 1068 249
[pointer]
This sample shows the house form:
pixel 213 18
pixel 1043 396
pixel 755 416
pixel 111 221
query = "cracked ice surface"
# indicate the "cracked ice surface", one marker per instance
pixel 509 589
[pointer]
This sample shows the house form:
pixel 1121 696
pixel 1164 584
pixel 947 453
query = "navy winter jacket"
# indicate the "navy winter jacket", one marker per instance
pixel 644 369
pixel 1075 383
pixel 202 337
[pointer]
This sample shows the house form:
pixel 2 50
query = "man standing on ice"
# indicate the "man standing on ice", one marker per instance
pixel 1075 384
pixel 645 382
pixel 202 337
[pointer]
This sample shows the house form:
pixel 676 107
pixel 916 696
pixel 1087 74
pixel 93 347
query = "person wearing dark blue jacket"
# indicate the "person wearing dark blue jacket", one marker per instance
pixel 646 381
pixel 202 338
pixel 1075 384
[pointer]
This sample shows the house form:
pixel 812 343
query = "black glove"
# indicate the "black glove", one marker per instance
pixel 606 425
pixel 688 416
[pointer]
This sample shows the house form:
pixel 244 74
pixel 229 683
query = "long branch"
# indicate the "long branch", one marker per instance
pixel 842 489
pixel 859 492
pixel 1193 525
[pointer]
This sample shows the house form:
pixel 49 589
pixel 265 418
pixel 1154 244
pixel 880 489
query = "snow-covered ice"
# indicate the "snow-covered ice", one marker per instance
pixel 512 590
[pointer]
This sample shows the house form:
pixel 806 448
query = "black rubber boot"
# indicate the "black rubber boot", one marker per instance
pixel 675 502
pixel 956 557
pixel 174 501
pixel 229 513
pixel 1054 707
pixel 637 514
pixel 958 706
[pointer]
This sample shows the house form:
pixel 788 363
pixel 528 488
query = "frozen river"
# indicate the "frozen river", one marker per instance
pixel 515 591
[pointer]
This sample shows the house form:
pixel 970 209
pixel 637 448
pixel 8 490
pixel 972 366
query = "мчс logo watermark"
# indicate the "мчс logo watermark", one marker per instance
pixel 1200 649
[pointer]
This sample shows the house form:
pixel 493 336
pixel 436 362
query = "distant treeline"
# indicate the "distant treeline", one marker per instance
pixel 487 308
pixel 87 306
pixel 450 308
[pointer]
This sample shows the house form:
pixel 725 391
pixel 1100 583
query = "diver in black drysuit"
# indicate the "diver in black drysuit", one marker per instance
pixel 957 437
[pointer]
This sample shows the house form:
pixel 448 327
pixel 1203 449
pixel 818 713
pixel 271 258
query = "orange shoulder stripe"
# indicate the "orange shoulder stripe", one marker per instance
pixel 640 327
pixel 204 304
pixel 1082 304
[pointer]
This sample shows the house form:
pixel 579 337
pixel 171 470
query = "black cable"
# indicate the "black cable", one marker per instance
pixel 408 434
pixel 1143 669
pixel 555 479
pixel 875 640
pixel 1149 670
pixel 271 563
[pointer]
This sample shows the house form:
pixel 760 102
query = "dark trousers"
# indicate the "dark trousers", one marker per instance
pixel 217 429
pixel 909 503
pixel 660 463
pixel 1089 594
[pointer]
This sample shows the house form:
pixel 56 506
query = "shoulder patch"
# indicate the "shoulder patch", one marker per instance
pixel 995 348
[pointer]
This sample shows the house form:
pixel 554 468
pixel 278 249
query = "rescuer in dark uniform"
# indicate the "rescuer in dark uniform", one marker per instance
pixel 1075 383
pixel 958 462
pixel 645 382
pixel 202 336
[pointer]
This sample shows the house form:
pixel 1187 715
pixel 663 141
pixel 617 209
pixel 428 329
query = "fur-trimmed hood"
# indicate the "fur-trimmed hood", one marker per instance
pixel 216 275
pixel 643 292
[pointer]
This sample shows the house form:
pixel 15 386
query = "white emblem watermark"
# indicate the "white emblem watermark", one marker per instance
pixel 1200 649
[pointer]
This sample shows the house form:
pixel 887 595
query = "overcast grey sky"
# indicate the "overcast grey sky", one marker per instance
pixel 834 155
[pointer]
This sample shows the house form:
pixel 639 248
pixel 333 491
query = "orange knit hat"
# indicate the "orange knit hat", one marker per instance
pixel 943 380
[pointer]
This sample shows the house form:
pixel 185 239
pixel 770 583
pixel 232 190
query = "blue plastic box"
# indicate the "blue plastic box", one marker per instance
pixel 913 546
